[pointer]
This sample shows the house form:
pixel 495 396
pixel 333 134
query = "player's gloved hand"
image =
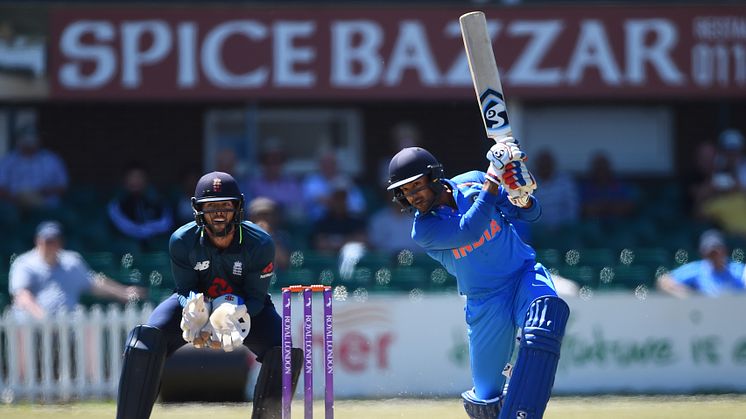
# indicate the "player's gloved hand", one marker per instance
pixel 230 321
pixel 518 182
pixel 194 316
pixel 517 176
pixel 502 153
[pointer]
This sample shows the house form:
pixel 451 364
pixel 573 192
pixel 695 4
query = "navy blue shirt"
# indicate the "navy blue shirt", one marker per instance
pixel 244 268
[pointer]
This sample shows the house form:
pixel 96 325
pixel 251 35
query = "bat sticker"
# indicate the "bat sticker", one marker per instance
pixel 494 110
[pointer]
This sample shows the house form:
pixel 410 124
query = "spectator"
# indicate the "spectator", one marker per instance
pixel 32 177
pixel 390 231
pixel 404 134
pixel 317 189
pixel 139 212
pixel 731 143
pixel 702 178
pixel 338 225
pixel 723 201
pixel 183 204
pixel 557 193
pixel 265 213
pixel 273 183
pixel 715 274
pixel 604 196
pixel 49 279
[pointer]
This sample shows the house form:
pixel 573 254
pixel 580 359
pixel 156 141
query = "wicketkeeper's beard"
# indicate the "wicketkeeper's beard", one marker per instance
pixel 221 229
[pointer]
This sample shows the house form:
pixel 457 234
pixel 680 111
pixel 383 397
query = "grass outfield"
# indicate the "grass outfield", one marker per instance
pixel 674 407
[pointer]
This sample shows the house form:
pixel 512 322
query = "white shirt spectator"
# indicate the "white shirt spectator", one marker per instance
pixel 55 287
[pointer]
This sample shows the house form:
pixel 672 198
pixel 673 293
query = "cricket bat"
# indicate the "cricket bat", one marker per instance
pixel 485 76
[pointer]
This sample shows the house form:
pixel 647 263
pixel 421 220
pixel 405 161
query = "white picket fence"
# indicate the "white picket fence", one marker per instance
pixel 71 356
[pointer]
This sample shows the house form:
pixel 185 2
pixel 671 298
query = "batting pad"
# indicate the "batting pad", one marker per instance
pixel 144 357
pixel 538 356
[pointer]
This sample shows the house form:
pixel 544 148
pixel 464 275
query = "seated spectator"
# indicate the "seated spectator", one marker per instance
pixel 557 193
pixel 723 201
pixel 338 225
pixel 273 183
pixel 390 230
pixel 139 212
pixel 403 134
pixel 604 196
pixel 317 189
pixel 265 213
pixel 49 279
pixel 183 201
pixel 715 274
pixel 701 178
pixel 32 177
pixel 732 145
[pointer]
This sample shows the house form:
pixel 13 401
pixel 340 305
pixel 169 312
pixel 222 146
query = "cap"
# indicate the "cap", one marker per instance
pixel 731 139
pixel 261 204
pixel 710 240
pixel 216 186
pixel 48 230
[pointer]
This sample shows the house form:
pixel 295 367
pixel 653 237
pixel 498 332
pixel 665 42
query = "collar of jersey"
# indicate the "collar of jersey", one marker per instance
pixel 445 209
pixel 204 242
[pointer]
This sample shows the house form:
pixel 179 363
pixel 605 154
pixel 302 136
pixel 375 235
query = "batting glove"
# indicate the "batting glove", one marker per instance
pixel 519 183
pixel 230 321
pixel 503 153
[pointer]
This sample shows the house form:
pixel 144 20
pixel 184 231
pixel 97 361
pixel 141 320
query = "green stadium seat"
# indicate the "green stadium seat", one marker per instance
pixel 100 261
pixel 649 256
pixel 597 257
pixel 407 278
pixel 583 275
pixel 549 257
pixel 632 276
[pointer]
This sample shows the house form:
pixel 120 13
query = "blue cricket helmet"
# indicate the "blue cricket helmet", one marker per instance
pixel 213 187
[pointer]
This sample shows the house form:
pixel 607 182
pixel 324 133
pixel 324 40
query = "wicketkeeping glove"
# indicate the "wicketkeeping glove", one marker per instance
pixel 194 316
pixel 230 321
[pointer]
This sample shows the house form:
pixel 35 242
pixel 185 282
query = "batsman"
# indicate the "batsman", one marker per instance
pixel 465 224
pixel 222 268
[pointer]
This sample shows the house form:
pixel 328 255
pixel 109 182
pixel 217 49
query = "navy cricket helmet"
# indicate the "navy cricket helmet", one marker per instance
pixel 410 164
pixel 213 187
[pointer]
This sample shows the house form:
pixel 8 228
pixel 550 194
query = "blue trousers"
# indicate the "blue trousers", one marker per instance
pixel 265 332
pixel 493 322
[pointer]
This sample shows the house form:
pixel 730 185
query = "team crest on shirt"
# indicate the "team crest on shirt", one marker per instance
pixel 237 268
pixel 268 271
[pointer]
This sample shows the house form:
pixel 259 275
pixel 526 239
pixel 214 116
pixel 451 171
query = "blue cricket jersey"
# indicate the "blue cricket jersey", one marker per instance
pixel 701 275
pixel 477 243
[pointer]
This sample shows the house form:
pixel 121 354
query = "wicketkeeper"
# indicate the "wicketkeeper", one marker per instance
pixel 222 268
pixel 465 224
